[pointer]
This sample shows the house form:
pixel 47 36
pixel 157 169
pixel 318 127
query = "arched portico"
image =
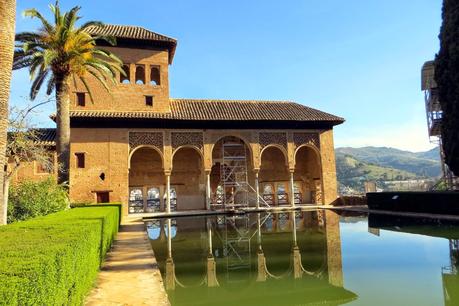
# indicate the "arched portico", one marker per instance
pixel 188 179
pixel 274 175
pixel 231 172
pixel 308 175
pixel 146 180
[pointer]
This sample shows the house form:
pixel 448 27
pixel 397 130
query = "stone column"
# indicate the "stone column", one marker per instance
pixel 208 191
pixel 257 189
pixel 168 192
pixel 292 216
pixel 170 266
pixel 292 189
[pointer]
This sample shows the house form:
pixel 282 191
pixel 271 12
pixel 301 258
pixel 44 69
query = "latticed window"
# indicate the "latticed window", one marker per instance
pixel 136 201
pixel 153 200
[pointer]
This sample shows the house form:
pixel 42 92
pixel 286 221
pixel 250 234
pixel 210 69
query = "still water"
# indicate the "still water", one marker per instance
pixel 307 258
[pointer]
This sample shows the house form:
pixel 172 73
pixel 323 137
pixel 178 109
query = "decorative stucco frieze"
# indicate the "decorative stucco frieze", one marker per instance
pixel 154 139
pixel 273 138
pixel 300 139
pixel 187 139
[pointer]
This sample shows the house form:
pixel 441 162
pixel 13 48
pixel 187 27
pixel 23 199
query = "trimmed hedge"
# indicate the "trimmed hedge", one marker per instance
pixel 54 260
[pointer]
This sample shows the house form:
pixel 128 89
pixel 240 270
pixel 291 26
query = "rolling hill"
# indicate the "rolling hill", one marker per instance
pixel 426 164
pixel 357 165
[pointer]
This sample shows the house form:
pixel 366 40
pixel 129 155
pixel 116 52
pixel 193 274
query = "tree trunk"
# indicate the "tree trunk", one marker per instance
pixel 6 189
pixel 63 129
pixel 7 23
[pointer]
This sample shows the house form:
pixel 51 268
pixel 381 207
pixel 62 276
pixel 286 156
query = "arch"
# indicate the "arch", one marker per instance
pixel 309 146
pixel 140 74
pixel 308 172
pixel 188 177
pixel 185 147
pixel 146 146
pixel 155 76
pixel 281 148
pixel 224 170
pixel 274 169
pixel 125 79
pixel 145 173
pixel 246 142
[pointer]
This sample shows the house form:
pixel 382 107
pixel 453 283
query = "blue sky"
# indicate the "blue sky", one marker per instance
pixel 359 59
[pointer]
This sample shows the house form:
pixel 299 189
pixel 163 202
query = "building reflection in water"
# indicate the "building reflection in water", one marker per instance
pixel 290 257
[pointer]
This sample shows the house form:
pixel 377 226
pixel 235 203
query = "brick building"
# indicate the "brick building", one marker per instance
pixel 139 146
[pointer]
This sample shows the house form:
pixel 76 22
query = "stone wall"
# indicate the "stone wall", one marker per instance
pixel 129 97
pixel 116 159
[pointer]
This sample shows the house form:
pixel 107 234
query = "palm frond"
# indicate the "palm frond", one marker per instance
pixel 33 13
pixel 37 83
pixel 85 25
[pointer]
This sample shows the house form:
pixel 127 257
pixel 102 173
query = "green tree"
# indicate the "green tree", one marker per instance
pixel 447 78
pixel 56 54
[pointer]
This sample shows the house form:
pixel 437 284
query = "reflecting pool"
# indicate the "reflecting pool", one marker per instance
pixel 307 258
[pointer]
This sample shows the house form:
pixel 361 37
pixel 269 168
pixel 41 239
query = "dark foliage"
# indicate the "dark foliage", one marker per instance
pixel 447 78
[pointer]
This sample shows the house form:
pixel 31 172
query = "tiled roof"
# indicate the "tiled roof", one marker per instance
pixel 46 136
pixel 135 33
pixel 224 110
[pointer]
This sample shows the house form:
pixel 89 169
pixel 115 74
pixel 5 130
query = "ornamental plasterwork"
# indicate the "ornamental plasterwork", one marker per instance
pixel 146 138
pixel 270 138
pixel 300 139
pixel 187 138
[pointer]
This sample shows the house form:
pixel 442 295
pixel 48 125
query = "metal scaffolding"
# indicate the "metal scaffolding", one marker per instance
pixel 234 190
pixel 234 233
pixel 434 115
pixel 233 174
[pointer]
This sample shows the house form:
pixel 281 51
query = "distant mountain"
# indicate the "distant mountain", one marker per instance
pixel 423 164
pixel 352 173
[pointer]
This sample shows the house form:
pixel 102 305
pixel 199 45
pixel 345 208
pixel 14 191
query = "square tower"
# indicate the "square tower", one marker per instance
pixel 146 57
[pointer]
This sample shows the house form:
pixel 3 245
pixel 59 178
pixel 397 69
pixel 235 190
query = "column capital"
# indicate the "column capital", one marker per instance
pixel 167 172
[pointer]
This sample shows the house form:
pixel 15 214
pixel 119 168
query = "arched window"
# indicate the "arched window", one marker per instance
pixel 268 189
pixel 155 78
pixel 139 74
pixel 125 79
pixel 282 197
pixel 153 200
pixel 297 193
pixel 136 201
pixel 173 197
pixel 268 194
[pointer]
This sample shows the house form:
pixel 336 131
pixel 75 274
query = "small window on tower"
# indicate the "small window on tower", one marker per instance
pixel 149 100
pixel 125 79
pixel 155 76
pixel 81 99
pixel 140 74
pixel 80 160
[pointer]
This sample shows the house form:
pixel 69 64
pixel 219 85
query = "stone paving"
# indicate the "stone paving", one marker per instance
pixel 130 274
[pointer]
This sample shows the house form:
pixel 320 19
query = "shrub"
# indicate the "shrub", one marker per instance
pixel 30 199
pixel 54 260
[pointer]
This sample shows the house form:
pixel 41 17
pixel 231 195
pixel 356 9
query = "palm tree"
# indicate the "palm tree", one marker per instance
pixel 59 53
pixel 7 24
